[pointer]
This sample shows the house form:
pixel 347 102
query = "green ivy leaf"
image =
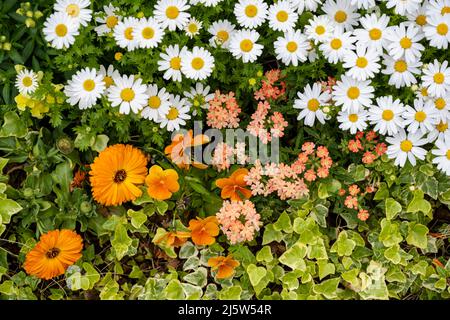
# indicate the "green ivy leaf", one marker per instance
pixel 293 257
pixel 255 274
pixel 327 288
pixel 121 242
pixel 418 203
pixel 417 235
pixel 392 208
pixel 13 126
pixel 283 223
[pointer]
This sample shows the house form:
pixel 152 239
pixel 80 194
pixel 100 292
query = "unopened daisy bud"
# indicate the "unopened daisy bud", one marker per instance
pixel 7 46
pixel 50 99
pixel 40 75
pixel 414 87
pixel 19 11
pixel 424 66
pixel 19 67
pixel 392 177
pixel 29 14
pixel 85 207
pixel 412 188
pixel 65 145
pixel 27 5
pixel 118 56
pixel 140 14
pixel 155 129
pixel 30 23
pixel 259 73
pixel 326 109
pixel 2 38
pixel 38 14
pixel 252 81
pixel 60 100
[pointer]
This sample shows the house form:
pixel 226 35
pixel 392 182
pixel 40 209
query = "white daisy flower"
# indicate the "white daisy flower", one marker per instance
pixel 128 93
pixel 78 10
pixel 177 115
pixel 441 7
pixel 108 20
pixel 148 33
pixel 387 115
pixel 342 13
pixel 436 78
pixel 221 31
pixel 319 28
pixel 197 64
pixel 193 27
pixel 243 45
pixel 442 107
pixel 401 72
pixel 282 16
pixel 336 47
pixel 421 118
pixel 310 102
pixel 206 3
pixel 406 147
pixel 250 13
pixel 422 93
pixel 85 87
pixel 171 62
pixel 363 4
pixel 60 30
pixel 157 104
pixel 440 130
pixel 404 41
pixel 352 94
pixel 199 96
pixel 108 75
pixel 292 47
pixel 171 14
pixel 306 5
pixel 442 153
pixel 403 7
pixel 437 31
pixel 362 64
pixel 373 32
pixel 353 121
pixel 26 81
pixel 418 18
pixel 124 33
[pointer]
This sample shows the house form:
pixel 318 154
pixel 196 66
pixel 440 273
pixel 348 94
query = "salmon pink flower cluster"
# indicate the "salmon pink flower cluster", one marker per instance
pixel 265 127
pixel 224 155
pixel 368 144
pixel 223 111
pixel 271 87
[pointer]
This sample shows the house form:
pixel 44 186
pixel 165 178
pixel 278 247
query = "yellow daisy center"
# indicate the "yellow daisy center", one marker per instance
pixel 223 35
pixel 173 113
pixel 362 62
pixel 420 116
pixel 127 94
pixel 439 103
pixel 61 30
pixel 175 63
pixel 405 43
pixel 291 46
pixel 320 30
pixel 73 10
pixel 353 117
pixel 340 16
pixel 442 126
pixel 353 93
pixel 172 12
pixel 313 105
pixel 439 78
pixel 111 21
pixel 197 63
pixel 251 10
pixel 89 85
pixel 400 66
pixel 336 44
pixel 445 10
pixel 27 81
pixel 282 16
pixel 448 154
pixel 442 29
pixel 193 28
pixel 387 115
pixel 246 45
pixel 108 81
pixel 154 102
pixel 118 56
pixel 375 34
pixel 421 20
pixel 148 33
pixel 406 145
pixel 424 92
pixel 128 33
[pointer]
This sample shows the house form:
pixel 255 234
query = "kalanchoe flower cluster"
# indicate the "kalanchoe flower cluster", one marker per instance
pixel 271 87
pixel 225 154
pixel 313 162
pixel 353 196
pixel 264 126
pixel 369 145
pixel 238 220
pixel 223 111
pixel 327 86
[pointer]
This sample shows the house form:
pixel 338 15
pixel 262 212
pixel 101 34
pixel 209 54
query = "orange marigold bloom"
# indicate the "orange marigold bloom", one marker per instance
pixel 204 231
pixel 234 187
pixel 161 183
pixel 174 238
pixel 224 265
pixel 55 251
pixel 179 151
pixel 116 174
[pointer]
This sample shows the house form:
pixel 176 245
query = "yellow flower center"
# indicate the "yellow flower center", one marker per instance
pixel 148 33
pixel 173 113
pixel 128 33
pixel 118 56
pixel 424 92
pixel 442 126
pixel 108 81
pixel 192 28
pixel 223 35
pixel 291 46
pixel 387 115
pixel 420 116
pixel 172 12
pixel 375 34
pixel 439 78
pixel 336 44
pixel 73 10
pixel 251 10
pixel 175 63
pixel 340 16
pixel 127 94
pixel 89 85
pixel 246 45
pixel 445 10
pixel 320 30
pixel 61 30
pixel 27 81
pixel 197 63
pixel 111 21
pixel 282 16
pixel 421 20
pixel 442 29
pixel 440 103
pixel 406 145
pixel 353 93
pixel 362 62
pixel 448 154
pixel 353 117
pixel 400 66
pixel 313 105
pixel 154 102
pixel 405 43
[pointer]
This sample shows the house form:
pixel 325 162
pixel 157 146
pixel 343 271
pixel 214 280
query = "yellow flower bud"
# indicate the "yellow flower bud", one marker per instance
pixel 19 67
pixel 252 81
pixel 7 46
pixel 30 23
pixel 29 14
pixel 140 14
pixel 50 99
pixel 118 56
pixel 259 74
pixel 38 14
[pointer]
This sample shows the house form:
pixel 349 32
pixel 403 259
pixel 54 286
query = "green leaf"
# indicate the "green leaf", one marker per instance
pixel 8 208
pixel 121 242
pixel 327 288
pixel 198 277
pixel 392 208
pixel 418 203
pixel 13 126
pixel 264 255
pixel 138 218
pixel 390 234
pixel 343 246
pixel 255 274
pixel 100 143
pixel 187 251
pixel 283 223
pixel 230 293
pixel 270 235
pixel 325 268
pixel 293 257
pixel 174 290
pixel 161 207
pixel 417 235
pixel 393 254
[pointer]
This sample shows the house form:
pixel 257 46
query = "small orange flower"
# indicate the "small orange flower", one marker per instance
pixel 53 254
pixel 204 231
pixel 234 186
pixel 179 151
pixel 161 183
pixel 174 238
pixel 224 265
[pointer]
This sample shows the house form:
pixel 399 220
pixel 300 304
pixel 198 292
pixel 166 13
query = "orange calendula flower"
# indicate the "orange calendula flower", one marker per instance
pixel 55 251
pixel 116 174
pixel 224 265
pixel 204 231
pixel 161 183
pixel 234 187
pixel 174 238
pixel 180 150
